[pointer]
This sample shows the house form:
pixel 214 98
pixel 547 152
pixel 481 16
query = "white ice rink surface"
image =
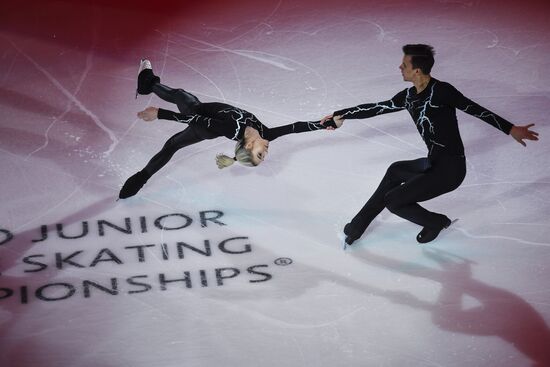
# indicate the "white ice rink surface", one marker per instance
pixel 244 267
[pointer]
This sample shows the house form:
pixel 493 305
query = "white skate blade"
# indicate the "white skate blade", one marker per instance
pixel 342 238
pixel 143 64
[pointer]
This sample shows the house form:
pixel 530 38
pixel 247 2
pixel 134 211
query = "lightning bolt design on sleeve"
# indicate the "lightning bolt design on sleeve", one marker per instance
pixel 372 109
pixel 433 111
pixel 484 115
pixel 314 126
pixel 470 107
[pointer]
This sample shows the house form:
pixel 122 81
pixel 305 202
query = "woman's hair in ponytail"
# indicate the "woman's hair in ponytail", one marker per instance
pixel 241 154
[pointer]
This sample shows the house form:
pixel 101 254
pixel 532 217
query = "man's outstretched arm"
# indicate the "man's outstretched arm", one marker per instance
pixel 363 111
pixel 519 133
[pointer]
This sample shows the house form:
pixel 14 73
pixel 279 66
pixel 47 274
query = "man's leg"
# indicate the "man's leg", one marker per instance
pixel 396 174
pixel 444 176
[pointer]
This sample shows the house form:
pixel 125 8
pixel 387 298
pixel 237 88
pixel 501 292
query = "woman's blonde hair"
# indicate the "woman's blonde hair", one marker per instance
pixel 242 155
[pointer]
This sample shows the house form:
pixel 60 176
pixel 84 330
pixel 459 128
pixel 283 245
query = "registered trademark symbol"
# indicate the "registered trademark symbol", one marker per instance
pixel 283 261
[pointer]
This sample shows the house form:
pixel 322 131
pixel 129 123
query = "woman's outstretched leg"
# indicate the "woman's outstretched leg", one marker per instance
pixel 146 78
pixel 180 140
pixel 149 83
pixel 187 103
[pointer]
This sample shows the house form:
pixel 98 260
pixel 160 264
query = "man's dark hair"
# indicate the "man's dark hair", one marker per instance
pixel 422 56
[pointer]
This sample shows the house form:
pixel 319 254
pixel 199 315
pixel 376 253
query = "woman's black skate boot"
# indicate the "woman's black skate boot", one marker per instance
pixel 146 78
pixel 133 185
pixel 352 234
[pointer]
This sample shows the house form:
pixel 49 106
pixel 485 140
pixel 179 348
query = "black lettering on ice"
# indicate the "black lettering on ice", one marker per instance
pixel 265 276
pixel 207 249
pixel 24 295
pixel 159 225
pixel 223 248
pixel 144 286
pixel 43 232
pixel 68 288
pixel 220 274
pixel 163 281
pixel 204 280
pixel 143 223
pixel 6 293
pixel 86 284
pixel 60 260
pixel 102 223
pixel 111 257
pixel 28 260
pixel 61 233
pixel 141 253
pixel 7 236
pixel 213 219
pixel 164 251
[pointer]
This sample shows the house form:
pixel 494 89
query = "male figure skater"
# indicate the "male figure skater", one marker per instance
pixel 432 104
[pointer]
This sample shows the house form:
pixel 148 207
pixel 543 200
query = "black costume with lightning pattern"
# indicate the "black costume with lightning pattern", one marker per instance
pixel 408 182
pixel 209 121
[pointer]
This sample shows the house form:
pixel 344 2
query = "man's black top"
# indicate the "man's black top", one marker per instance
pixel 434 113
pixel 229 121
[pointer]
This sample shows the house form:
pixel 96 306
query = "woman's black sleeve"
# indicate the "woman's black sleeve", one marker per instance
pixel 296 127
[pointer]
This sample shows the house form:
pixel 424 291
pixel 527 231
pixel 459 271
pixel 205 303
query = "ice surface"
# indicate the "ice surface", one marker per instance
pixel 263 279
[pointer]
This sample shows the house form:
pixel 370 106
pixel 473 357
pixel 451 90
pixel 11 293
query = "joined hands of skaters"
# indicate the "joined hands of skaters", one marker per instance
pixel 338 120
pixel 148 114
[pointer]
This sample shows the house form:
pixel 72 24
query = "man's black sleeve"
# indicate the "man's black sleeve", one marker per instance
pixel 456 99
pixel 363 111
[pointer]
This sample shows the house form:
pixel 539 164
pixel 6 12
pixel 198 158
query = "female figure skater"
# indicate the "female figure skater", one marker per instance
pixel 206 121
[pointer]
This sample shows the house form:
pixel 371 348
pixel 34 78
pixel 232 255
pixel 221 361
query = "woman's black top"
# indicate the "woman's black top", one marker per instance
pixel 229 121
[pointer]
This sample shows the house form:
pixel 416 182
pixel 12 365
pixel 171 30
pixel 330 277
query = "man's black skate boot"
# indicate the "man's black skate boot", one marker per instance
pixel 146 78
pixel 429 234
pixel 133 185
